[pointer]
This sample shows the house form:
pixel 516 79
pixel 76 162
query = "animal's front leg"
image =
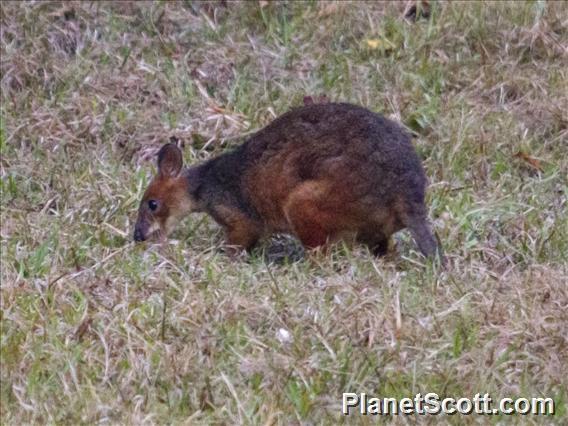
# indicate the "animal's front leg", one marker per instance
pixel 241 237
pixel 242 233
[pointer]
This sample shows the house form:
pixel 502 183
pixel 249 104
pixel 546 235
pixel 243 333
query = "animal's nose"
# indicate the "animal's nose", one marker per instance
pixel 138 235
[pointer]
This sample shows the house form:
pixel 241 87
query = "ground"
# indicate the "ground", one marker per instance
pixel 95 328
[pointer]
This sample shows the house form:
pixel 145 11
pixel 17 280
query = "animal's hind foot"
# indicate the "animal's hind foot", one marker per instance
pixel 380 249
pixel 377 243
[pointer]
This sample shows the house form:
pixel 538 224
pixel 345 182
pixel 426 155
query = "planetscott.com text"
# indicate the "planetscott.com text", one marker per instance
pixel 431 403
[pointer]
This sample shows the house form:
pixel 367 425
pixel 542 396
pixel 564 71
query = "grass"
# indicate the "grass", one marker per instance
pixel 97 329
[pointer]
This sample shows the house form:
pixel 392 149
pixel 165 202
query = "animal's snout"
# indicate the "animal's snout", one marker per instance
pixel 138 234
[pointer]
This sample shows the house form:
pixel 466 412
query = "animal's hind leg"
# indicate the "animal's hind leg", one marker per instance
pixel 305 211
pixel 377 242
pixel 311 233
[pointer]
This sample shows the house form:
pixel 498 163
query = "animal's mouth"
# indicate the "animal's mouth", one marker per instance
pixel 139 235
pixel 152 234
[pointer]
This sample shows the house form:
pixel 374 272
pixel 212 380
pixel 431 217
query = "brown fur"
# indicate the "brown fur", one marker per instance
pixel 318 172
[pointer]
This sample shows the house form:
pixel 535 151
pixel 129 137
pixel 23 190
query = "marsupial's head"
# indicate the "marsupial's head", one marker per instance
pixel 167 199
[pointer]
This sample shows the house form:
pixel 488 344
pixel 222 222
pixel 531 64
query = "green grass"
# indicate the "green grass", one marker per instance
pixel 97 329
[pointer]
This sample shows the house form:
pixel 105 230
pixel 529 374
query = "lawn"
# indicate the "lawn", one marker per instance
pixel 97 329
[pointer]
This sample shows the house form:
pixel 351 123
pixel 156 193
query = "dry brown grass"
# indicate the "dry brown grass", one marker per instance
pixel 96 329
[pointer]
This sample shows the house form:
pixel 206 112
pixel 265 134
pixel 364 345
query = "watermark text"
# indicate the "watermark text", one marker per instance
pixel 431 403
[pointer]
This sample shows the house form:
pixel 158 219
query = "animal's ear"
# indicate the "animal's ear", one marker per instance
pixel 170 160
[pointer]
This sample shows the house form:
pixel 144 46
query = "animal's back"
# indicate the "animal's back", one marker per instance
pixel 358 162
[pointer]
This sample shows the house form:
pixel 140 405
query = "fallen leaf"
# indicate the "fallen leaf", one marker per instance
pixel 379 44
pixel 82 329
pixel 373 43
pixel 532 162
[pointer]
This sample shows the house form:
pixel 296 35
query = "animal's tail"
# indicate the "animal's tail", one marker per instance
pixel 428 244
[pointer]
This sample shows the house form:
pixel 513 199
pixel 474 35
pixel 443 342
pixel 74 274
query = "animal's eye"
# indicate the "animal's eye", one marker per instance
pixel 153 205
